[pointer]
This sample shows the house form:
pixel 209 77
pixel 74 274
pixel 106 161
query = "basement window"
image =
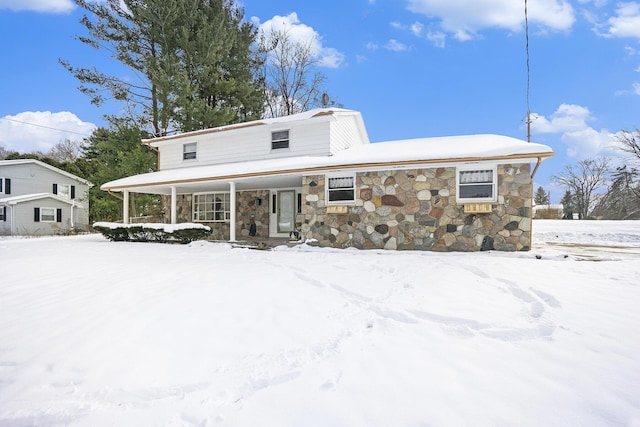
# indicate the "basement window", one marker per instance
pixel 477 184
pixel 279 139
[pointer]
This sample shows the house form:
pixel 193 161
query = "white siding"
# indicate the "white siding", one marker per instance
pixel 346 133
pixel 319 132
pixel 306 138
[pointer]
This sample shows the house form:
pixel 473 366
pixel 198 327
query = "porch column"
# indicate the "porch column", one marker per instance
pixel 125 207
pixel 232 220
pixel 174 204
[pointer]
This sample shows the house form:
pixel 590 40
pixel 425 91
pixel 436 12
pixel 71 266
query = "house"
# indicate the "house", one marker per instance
pixel 39 199
pixel 316 173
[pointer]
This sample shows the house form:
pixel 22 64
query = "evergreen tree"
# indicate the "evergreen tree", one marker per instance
pixel 622 200
pixel 192 60
pixel 116 153
pixel 568 205
pixel 541 197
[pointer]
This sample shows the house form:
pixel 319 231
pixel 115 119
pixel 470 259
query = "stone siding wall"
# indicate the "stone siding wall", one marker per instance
pixel 417 209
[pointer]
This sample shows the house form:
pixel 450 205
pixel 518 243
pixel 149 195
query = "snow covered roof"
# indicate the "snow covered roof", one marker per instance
pixel 328 113
pixel 44 165
pixel 14 200
pixel 407 153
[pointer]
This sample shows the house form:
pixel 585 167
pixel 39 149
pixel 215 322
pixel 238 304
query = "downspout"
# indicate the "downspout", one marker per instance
pixel 73 204
pixel 117 196
pixel 533 174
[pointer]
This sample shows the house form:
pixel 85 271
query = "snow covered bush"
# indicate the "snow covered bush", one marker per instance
pixel 152 232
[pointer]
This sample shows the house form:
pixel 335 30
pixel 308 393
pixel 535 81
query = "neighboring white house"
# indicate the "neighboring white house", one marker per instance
pixel 317 173
pixel 39 199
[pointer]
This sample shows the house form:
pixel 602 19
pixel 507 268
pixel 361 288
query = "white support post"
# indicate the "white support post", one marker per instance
pixel 232 220
pixel 125 207
pixel 174 205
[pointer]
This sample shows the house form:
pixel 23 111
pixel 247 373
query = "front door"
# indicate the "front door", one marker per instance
pixel 282 219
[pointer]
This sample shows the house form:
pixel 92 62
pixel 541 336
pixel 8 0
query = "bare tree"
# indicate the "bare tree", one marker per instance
pixel 292 83
pixel 66 151
pixel 630 142
pixel 4 153
pixel 583 180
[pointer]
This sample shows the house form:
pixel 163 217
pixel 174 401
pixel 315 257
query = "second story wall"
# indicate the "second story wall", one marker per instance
pixel 314 133
pixel 33 178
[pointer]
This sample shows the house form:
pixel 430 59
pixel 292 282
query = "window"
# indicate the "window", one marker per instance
pixel 341 189
pixel 3 213
pixel 477 185
pixel 47 214
pixel 5 186
pixel 189 151
pixel 213 207
pixel 65 190
pixel 279 139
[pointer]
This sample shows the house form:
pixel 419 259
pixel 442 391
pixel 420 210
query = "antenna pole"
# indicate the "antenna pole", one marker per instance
pixel 526 26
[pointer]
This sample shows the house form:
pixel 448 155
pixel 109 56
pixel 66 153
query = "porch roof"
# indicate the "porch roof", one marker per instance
pixel 287 172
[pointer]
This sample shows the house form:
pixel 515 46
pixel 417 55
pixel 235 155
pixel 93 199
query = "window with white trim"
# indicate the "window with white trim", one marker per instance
pixel 3 214
pixel 341 189
pixel 477 184
pixel 47 215
pixel 279 139
pixel 212 207
pixel 190 151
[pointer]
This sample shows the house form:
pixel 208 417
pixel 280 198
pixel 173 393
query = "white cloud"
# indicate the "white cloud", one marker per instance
pixel 50 6
pixel 299 32
pixel 571 121
pixel 372 46
pixel 464 18
pixel 636 88
pixel 626 23
pixel 416 28
pixel 41 130
pixel 438 38
pixel 395 46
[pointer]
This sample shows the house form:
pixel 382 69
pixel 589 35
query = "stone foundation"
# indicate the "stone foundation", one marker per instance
pixel 417 210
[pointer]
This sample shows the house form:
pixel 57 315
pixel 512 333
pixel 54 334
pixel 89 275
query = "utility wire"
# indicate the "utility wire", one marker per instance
pixel 45 127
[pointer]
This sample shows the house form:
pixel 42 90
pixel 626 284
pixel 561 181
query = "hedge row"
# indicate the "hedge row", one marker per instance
pixel 161 233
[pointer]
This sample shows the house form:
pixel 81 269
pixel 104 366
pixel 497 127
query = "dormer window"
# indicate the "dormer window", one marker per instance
pixel 279 139
pixel 189 151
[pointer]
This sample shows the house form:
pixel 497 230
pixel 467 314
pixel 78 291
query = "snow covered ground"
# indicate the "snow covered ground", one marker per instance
pixel 99 333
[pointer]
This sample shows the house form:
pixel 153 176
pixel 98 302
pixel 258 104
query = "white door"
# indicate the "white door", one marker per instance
pixel 282 219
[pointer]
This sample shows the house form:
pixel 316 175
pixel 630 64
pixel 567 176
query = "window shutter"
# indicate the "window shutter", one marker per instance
pixel 36 214
pixel 7 186
pixel 73 191
pixel 4 213
pixel 58 215
pixel 55 188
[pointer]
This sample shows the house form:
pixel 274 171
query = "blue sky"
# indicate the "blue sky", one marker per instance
pixel 414 68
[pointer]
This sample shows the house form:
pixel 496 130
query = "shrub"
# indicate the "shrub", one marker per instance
pixel 162 233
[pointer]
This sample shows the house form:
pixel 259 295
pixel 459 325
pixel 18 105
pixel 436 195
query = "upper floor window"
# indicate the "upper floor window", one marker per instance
pixel 5 186
pixel 279 139
pixel 65 190
pixel 477 185
pixel 341 189
pixel 189 151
